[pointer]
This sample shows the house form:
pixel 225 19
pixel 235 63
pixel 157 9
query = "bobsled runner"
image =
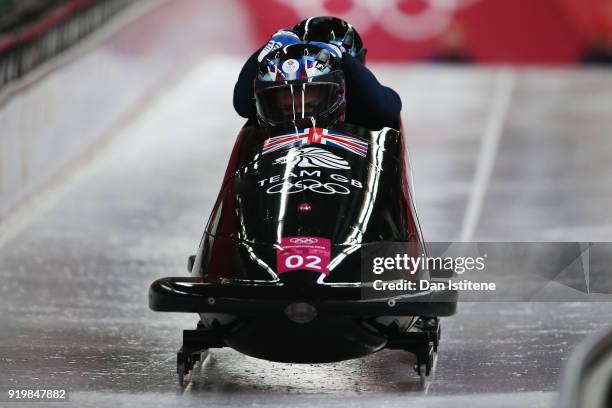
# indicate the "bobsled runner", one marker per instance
pixel 278 273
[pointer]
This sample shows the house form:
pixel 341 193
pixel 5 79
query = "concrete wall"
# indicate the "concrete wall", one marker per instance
pixel 66 108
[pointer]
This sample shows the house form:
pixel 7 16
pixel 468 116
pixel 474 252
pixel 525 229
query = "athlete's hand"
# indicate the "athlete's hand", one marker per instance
pixel 281 38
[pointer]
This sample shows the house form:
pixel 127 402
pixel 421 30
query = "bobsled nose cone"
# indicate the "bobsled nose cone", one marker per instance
pixel 300 279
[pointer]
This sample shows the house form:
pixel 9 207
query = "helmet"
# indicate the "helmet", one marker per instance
pixel 300 84
pixel 332 29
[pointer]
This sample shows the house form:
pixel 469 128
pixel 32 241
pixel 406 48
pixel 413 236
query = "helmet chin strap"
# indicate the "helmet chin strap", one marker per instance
pixel 293 101
pixel 303 97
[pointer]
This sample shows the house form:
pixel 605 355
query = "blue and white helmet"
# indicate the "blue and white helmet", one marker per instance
pixel 300 84
pixel 332 30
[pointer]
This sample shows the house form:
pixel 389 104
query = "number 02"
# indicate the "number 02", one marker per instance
pixel 296 261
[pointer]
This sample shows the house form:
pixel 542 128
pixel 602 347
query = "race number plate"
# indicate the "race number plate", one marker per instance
pixel 303 253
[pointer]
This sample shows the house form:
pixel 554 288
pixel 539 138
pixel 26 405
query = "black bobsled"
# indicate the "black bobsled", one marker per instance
pixel 278 271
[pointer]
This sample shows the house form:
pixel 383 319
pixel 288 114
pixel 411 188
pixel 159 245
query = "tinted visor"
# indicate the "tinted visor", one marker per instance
pixel 295 102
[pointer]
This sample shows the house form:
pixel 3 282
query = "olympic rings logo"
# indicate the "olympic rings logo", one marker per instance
pixel 308 184
pixel 428 23
pixel 307 241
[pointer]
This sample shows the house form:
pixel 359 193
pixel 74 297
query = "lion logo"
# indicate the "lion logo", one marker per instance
pixel 314 157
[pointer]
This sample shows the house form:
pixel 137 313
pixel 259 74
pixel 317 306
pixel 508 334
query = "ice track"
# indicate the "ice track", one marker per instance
pixel 76 267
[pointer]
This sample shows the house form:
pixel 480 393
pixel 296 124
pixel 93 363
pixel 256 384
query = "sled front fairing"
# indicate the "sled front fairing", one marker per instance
pixel 319 195
pixel 278 271
pixel 331 189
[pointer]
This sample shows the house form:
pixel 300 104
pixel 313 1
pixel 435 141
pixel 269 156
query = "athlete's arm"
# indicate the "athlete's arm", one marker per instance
pixel 244 93
pixel 369 103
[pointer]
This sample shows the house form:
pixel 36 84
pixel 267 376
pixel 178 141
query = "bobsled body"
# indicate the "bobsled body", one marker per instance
pixel 278 273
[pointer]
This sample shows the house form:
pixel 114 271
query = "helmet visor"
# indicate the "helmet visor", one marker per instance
pixel 296 102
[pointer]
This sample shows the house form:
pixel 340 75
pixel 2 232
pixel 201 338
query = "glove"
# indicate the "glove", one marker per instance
pixel 335 48
pixel 281 38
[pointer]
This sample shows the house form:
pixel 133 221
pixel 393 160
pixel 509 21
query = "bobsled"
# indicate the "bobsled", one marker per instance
pixel 279 271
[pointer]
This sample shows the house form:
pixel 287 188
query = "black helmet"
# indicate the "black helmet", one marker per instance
pixel 328 29
pixel 300 84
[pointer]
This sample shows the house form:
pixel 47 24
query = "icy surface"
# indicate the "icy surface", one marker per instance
pixel 75 275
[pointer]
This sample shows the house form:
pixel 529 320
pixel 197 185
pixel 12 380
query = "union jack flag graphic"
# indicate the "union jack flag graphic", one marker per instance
pixel 316 136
